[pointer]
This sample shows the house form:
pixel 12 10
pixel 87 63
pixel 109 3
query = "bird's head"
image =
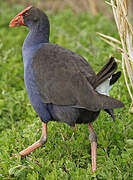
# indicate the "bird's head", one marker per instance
pixel 31 17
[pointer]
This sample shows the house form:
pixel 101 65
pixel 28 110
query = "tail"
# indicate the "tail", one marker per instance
pixel 106 72
pixel 105 79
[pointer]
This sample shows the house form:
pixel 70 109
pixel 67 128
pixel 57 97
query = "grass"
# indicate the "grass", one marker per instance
pixel 65 156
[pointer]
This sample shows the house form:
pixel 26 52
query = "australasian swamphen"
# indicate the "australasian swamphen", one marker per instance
pixel 61 84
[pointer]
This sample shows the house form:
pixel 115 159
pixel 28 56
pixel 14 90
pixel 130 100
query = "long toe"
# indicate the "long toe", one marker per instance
pixel 37 144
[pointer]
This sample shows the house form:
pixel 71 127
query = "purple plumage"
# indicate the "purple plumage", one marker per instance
pixel 61 84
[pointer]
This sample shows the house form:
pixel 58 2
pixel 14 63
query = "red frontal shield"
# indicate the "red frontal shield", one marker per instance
pixel 18 19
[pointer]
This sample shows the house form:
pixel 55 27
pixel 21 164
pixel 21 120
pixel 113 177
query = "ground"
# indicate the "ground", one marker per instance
pixel 66 155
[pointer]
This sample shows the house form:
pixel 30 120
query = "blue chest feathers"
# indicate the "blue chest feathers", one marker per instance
pixel 32 89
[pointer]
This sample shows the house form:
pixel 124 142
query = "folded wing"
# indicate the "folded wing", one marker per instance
pixel 64 78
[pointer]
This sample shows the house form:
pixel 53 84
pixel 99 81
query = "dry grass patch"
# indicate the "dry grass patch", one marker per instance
pixel 125 45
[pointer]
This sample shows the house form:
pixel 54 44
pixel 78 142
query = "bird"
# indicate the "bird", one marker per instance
pixel 61 84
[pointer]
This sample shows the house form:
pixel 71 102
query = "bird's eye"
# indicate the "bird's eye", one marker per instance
pixel 35 19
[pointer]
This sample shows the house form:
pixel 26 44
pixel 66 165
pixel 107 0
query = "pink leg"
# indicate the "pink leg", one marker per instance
pixel 93 140
pixel 37 144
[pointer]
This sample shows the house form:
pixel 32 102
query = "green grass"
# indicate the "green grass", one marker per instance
pixel 64 156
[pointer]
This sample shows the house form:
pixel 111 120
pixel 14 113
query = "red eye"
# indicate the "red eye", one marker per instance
pixel 26 14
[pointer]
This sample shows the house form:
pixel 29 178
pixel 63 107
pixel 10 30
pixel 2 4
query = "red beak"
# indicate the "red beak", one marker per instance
pixel 18 19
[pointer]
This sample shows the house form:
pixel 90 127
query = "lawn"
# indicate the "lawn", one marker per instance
pixel 66 155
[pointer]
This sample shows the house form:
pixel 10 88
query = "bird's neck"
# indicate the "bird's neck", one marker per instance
pixel 36 37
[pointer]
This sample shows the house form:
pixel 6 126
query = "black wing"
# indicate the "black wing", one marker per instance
pixel 64 78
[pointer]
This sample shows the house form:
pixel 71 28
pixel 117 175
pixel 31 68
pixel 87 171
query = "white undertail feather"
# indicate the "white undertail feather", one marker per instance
pixel 104 87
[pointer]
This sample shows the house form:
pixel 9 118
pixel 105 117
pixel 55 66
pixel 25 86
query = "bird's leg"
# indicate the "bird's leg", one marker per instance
pixel 93 140
pixel 37 144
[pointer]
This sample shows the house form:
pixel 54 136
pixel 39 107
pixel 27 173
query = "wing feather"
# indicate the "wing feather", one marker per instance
pixel 64 78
